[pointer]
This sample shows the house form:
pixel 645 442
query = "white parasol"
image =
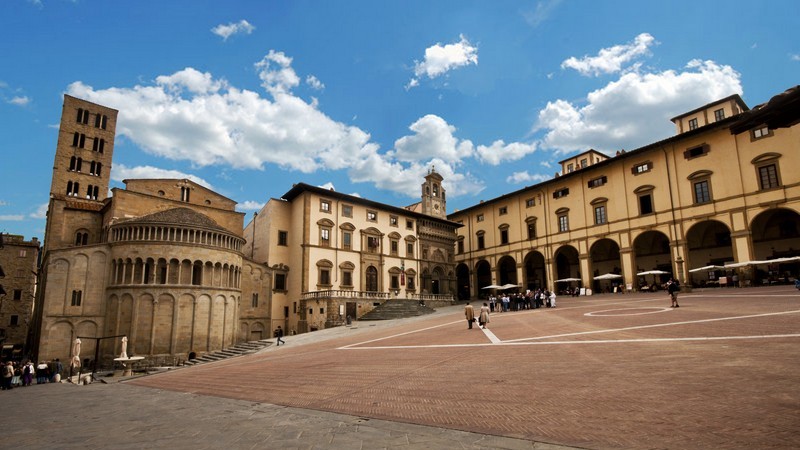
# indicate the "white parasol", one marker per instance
pixel 705 268
pixel 608 276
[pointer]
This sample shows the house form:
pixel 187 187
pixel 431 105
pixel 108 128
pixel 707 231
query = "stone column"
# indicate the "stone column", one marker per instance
pixel 628 268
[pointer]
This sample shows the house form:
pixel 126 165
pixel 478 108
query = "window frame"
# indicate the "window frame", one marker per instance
pixel 638 169
pixel 563 222
pixel 597 182
pixel 759 133
pixel 600 214
pixel 279 281
pixel 640 197
pixel 773 178
pixel 696 151
pixel 325 205
pixel 283 238
pixel 530 223
pixel 325 236
pixel 347 211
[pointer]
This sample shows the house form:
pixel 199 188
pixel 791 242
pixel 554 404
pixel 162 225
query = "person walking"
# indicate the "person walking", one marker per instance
pixel 672 288
pixel 469 313
pixel 279 335
pixel 483 319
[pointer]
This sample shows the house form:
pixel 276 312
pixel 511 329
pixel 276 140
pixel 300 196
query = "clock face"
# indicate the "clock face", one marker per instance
pixel 436 206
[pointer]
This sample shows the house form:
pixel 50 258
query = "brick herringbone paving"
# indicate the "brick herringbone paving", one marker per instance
pixel 609 371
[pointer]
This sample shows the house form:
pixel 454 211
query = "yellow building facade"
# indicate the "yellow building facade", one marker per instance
pixel 335 256
pixel 724 189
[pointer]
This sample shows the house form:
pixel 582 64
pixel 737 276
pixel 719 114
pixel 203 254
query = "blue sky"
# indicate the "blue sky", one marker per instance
pixel 248 97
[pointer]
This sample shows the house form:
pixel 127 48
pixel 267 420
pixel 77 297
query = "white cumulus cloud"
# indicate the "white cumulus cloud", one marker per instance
pixel 611 59
pixel 500 152
pixel 41 212
pixel 120 172
pixel 19 100
pixel 314 82
pixel 193 116
pixel 634 110
pixel 227 30
pixel 433 138
pixel 250 205
pixel 440 59
pixel 525 177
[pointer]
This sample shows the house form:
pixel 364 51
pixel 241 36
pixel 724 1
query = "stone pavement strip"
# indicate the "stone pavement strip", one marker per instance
pixel 124 416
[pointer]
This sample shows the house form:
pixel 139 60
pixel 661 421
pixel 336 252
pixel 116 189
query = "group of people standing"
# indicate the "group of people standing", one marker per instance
pixel 509 302
pixel 529 300
pixel 21 374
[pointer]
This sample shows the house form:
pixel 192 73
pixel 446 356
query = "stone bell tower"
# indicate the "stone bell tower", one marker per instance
pixel 433 195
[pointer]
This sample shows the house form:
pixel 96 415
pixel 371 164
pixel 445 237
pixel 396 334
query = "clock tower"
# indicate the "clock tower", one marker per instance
pixel 433 198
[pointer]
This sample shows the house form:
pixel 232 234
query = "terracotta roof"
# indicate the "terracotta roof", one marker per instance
pixel 178 216
pixel 781 111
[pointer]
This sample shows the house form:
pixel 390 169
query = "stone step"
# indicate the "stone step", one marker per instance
pixel 397 309
pixel 240 349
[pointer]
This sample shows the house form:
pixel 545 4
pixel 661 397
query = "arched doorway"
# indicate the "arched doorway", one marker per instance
pixel 535 273
pixel 603 259
pixel 651 252
pixel 709 243
pixel 507 270
pixel 462 278
pixel 371 279
pixel 776 234
pixel 567 264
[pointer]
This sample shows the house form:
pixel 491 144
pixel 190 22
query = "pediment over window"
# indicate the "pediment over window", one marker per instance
pixel 765 157
pixel 325 223
pixel 700 174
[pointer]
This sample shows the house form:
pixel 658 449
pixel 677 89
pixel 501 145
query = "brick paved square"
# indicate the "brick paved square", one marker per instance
pixel 608 371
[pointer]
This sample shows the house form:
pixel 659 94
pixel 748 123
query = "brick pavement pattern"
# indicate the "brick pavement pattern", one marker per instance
pixel 721 371
pixel 608 371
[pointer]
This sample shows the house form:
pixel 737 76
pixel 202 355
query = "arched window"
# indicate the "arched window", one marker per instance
pixel 81 238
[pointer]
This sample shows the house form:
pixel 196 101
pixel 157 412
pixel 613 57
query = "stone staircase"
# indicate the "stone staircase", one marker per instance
pixel 397 309
pixel 244 348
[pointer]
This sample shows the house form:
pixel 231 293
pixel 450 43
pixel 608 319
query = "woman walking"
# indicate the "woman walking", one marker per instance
pixel 483 318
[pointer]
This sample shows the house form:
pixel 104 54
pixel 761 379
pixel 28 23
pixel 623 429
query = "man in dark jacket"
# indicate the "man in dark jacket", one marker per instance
pixel 673 287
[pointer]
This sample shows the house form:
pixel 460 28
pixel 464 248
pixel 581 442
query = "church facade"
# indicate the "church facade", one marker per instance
pixel 159 261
